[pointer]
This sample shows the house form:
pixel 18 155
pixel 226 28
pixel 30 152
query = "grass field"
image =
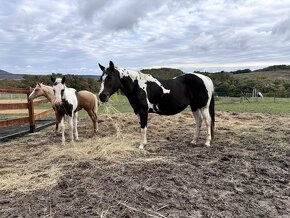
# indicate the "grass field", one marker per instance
pixel 120 104
pixel 281 106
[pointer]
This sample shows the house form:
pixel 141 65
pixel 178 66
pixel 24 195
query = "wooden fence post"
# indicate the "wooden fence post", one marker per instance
pixel 31 113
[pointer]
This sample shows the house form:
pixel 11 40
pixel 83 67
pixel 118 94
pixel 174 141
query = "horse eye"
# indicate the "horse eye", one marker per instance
pixel 62 91
pixel 53 91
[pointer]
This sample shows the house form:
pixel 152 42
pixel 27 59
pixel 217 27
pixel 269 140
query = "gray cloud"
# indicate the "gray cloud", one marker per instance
pixel 73 36
pixel 117 15
pixel 282 29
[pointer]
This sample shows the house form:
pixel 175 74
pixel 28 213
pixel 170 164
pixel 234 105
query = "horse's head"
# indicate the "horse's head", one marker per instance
pixel 37 91
pixel 58 90
pixel 110 82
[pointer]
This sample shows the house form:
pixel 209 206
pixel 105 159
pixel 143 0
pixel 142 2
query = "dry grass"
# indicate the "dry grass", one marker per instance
pixel 44 169
pixel 37 160
pixel 36 166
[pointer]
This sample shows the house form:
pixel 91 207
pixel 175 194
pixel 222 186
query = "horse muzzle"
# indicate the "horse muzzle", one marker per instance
pixel 56 102
pixel 103 97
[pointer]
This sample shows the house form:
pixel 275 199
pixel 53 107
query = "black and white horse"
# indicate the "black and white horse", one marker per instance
pixel 65 102
pixel 166 97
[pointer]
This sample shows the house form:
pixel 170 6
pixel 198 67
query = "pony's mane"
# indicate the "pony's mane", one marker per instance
pixel 45 86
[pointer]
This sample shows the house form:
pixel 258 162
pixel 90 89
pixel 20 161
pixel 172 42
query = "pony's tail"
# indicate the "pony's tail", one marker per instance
pixel 212 115
pixel 96 105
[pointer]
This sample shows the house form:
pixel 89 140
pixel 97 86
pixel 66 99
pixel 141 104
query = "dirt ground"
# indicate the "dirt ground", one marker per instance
pixel 246 173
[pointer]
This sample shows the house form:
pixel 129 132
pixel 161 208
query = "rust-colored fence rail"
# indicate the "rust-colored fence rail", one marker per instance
pixel 16 106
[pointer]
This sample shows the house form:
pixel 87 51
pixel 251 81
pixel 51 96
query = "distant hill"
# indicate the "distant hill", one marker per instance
pixel 11 76
pixel 3 72
pixel 283 74
pixel 6 75
pixel 163 73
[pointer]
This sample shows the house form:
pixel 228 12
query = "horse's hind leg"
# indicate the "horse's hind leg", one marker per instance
pixel 207 118
pixel 96 127
pixel 94 119
pixel 198 121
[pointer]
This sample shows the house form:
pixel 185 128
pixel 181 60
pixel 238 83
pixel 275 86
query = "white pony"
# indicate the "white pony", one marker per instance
pixel 65 102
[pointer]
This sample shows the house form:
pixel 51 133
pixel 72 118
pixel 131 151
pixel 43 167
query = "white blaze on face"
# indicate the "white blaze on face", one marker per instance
pixel 57 90
pixel 142 81
pixel 102 84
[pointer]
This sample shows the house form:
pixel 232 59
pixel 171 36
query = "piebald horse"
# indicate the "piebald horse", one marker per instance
pixel 146 95
pixel 86 100
pixel 65 101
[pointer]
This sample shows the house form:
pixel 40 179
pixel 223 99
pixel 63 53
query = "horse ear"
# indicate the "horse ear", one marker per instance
pixel 102 67
pixel 111 66
pixel 52 79
pixel 38 84
pixel 63 80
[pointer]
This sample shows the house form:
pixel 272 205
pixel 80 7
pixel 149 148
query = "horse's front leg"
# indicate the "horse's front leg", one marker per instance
pixel 58 118
pixel 143 122
pixel 76 126
pixel 70 121
pixel 62 130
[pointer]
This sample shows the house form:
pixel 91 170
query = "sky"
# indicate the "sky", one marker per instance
pixel 73 36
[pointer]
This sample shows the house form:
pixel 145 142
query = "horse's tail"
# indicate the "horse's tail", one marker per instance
pixel 212 115
pixel 96 105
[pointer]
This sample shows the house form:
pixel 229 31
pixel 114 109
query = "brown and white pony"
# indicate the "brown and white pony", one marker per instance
pixel 86 100
pixel 65 101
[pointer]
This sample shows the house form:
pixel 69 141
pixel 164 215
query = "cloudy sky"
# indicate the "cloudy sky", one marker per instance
pixel 71 36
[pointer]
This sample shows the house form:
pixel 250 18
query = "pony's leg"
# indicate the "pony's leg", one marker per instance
pixel 70 121
pixel 143 122
pixel 62 131
pixel 58 120
pixel 76 125
pixel 56 127
pixel 207 118
pixel 93 117
pixel 96 122
pixel 198 121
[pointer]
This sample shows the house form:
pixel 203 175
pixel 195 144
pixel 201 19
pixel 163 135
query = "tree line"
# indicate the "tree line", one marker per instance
pixel 226 84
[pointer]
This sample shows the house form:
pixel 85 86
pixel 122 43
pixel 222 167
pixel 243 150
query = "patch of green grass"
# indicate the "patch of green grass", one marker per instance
pixel 119 103
pixel 265 105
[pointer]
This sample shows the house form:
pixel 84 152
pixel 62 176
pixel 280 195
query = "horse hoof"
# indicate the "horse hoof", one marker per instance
pixel 141 146
pixel 193 142
pixel 207 144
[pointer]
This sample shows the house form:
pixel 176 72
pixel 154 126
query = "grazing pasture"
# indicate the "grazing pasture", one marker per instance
pixel 244 174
